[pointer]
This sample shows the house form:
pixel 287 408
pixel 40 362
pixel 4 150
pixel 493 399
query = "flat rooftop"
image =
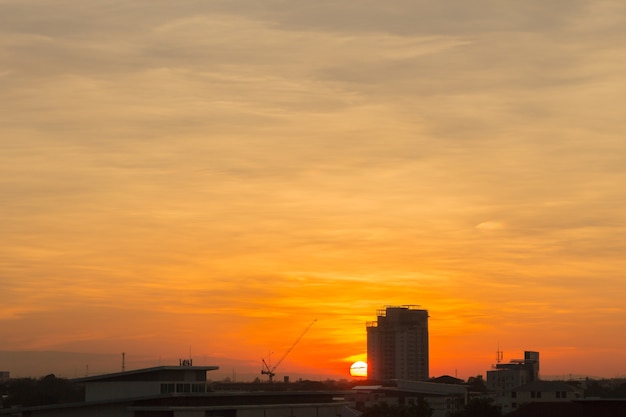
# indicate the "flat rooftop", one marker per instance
pixel 148 374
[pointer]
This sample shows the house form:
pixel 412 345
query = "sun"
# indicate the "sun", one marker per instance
pixel 359 368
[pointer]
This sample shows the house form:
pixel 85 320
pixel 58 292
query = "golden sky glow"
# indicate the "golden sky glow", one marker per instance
pixel 217 174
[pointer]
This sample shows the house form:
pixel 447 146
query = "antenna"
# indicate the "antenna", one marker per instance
pixel 123 361
pixel 186 362
pixel 499 354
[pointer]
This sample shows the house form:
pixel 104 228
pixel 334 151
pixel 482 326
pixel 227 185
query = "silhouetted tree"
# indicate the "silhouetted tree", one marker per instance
pixel 609 389
pixel 479 407
pixel 477 384
pixel 46 390
pixel 421 409
pixel 4 394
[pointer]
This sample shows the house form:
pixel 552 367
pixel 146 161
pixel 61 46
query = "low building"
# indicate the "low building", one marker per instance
pixel 544 391
pixel 505 377
pixel 444 399
pixel 183 391
pixel 147 382
pixel 4 376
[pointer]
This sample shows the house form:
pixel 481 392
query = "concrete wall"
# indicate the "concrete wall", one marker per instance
pixel 97 391
pixel 189 413
pixel 304 410
pixel 100 410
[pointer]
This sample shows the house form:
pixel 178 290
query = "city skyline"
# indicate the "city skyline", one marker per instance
pixel 216 175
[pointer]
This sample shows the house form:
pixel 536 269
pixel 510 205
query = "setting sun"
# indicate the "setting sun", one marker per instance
pixel 359 368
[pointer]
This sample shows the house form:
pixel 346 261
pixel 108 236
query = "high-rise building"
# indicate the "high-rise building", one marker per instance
pixel 397 344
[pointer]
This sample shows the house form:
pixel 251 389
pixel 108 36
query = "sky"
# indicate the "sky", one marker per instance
pixel 206 178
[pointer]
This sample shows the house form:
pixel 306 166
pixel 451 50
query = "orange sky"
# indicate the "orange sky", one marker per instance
pixel 219 174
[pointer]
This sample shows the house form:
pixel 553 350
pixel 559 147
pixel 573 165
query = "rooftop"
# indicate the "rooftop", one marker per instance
pixel 147 373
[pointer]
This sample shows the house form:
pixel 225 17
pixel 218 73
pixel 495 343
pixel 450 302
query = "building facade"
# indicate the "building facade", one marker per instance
pixel 544 391
pixel 443 399
pixel 505 377
pixel 397 345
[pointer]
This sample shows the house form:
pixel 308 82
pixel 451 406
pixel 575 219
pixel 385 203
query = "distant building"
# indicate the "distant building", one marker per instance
pixel 443 398
pixel 397 345
pixel 505 377
pixel 544 391
pixel 4 376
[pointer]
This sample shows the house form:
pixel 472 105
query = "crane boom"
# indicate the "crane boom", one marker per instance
pixel 268 369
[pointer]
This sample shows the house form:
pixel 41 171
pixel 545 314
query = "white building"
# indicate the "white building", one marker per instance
pixel 444 399
pixel 397 345
pixel 544 391
pixel 505 377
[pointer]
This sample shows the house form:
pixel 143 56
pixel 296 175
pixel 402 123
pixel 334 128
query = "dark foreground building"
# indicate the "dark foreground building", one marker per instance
pixel 183 391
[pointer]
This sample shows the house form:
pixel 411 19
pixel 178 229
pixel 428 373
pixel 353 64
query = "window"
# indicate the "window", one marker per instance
pixel 513 394
pixel 181 387
pixel 198 388
pixel 167 388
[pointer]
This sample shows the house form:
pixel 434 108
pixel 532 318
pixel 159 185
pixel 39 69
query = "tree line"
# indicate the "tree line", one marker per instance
pixel 28 392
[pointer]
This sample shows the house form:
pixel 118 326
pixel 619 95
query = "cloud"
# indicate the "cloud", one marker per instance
pixel 489 225
pixel 237 164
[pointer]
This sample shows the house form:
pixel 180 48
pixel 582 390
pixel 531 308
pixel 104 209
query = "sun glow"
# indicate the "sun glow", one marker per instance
pixel 359 369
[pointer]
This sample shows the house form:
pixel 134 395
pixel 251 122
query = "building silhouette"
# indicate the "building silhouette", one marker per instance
pixel 397 344
pixel 184 391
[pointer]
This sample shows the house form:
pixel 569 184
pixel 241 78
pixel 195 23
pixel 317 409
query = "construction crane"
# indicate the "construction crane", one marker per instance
pixel 268 369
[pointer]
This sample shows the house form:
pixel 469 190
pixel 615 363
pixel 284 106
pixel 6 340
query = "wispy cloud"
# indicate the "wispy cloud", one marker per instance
pixel 230 166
